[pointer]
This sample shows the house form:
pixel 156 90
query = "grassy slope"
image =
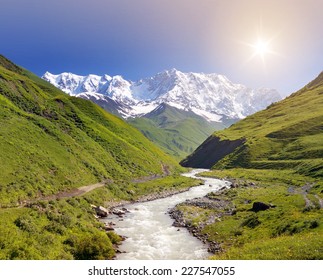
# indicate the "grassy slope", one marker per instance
pixel 291 230
pixel 175 131
pixel 282 154
pixel 51 141
pixel 287 135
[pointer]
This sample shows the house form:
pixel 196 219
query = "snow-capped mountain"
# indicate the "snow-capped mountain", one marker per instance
pixel 211 96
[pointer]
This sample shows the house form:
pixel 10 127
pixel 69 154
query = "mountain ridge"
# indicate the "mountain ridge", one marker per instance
pixel 286 135
pixel 273 158
pixel 211 96
pixel 175 131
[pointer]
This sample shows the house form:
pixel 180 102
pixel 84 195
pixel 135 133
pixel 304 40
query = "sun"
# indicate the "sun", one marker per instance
pixel 261 47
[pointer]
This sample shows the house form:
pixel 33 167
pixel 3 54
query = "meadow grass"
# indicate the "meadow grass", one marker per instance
pixel 288 230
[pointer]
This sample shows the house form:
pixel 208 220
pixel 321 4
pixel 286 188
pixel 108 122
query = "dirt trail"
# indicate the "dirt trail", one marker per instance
pixel 72 193
pixel 79 191
pixel 165 170
pixel 85 189
pixel 304 190
pixel 320 201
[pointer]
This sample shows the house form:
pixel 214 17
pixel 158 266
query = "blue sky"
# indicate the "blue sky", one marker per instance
pixel 138 38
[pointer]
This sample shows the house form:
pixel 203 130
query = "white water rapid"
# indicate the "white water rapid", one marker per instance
pixel 149 232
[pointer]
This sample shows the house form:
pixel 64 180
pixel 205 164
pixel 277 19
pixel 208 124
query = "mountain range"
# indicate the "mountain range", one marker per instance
pixel 53 144
pixel 165 105
pixel 211 96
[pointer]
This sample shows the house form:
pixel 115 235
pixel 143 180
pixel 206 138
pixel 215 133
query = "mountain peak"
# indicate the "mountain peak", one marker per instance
pixel 211 96
pixel 172 71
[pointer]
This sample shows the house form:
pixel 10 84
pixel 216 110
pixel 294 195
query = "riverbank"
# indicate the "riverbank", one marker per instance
pixel 262 216
pixel 184 219
pixel 148 229
pixel 149 197
pixel 65 226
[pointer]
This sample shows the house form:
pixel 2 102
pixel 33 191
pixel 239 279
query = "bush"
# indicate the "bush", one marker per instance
pixel 293 227
pixel 25 223
pixel 251 222
pixel 93 247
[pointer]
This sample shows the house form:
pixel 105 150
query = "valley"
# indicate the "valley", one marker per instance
pixel 51 145
pixel 60 154
pixel 175 110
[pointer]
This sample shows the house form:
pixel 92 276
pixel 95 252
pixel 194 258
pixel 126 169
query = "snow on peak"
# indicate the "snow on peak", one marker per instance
pixel 208 95
pixel 115 87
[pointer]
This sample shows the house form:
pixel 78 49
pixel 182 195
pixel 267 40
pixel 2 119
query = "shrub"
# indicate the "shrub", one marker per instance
pixel 93 247
pixel 25 223
pixel 251 222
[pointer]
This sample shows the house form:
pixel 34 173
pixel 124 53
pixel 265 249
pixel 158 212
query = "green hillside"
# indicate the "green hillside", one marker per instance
pixel 175 131
pixel 50 145
pixel 274 157
pixel 287 135
pixel 52 142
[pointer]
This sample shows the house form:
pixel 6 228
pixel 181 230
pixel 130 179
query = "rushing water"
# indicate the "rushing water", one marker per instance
pixel 149 232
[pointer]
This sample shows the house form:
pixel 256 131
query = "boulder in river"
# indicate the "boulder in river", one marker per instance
pixel 118 212
pixel 108 226
pixel 101 211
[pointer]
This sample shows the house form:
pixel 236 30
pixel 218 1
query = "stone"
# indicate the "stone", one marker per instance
pixel 118 212
pixel 101 211
pixel 260 206
pixel 108 228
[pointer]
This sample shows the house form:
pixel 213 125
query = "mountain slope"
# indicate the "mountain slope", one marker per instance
pixel 274 160
pixel 176 131
pixel 52 142
pixel 197 103
pixel 211 96
pixel 287 135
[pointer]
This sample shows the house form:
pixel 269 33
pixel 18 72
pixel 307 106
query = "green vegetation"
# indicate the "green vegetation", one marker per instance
pixel 130 191
pixel 277 159
pixel 287 135
pixel 291 229
pixel 53 143
pixel 175 131
pixel 67 228
pixel 62 229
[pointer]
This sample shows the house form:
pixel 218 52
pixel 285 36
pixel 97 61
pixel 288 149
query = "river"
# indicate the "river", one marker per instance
pixel 149 232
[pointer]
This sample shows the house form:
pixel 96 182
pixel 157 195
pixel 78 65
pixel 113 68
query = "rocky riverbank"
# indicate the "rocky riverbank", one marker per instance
pixel 153 196
pixel 119 208
pixel 184 214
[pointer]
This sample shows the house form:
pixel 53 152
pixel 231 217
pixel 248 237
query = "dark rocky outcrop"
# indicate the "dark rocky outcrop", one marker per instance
pixel 260 206
pixel 211 151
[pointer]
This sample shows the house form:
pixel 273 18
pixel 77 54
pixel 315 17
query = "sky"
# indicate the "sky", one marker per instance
pixel 139 38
